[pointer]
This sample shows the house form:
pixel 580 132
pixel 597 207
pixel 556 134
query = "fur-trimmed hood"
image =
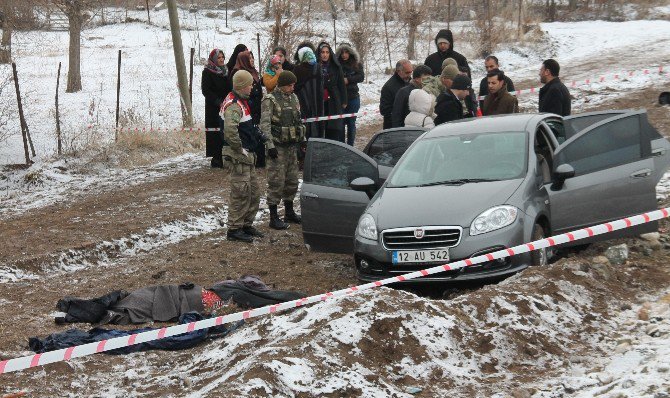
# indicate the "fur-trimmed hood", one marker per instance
pixel 353 54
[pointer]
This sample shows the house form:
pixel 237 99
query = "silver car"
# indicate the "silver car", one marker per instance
pixel 471 187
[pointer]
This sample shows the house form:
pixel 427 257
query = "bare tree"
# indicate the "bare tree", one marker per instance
pixel 7 12
pixel 413 13
pixel 7 108
pixel 75 10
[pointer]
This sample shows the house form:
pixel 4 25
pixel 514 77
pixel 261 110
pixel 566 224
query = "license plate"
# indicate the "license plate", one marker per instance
pixel 420 256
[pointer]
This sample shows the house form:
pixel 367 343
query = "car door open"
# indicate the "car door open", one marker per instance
pixel 613 176
pixel 330 208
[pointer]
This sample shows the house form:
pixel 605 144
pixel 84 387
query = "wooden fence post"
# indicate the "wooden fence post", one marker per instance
pixel 21 116
pixel 58 134
pixel 118 94
pixel 190 78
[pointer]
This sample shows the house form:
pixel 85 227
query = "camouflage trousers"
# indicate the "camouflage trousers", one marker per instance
pixel 244 197
pixel 283 174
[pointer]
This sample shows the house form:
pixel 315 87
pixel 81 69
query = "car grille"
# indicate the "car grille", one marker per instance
pixel 434 237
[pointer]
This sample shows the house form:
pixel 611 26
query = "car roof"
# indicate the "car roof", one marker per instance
pixel 487 124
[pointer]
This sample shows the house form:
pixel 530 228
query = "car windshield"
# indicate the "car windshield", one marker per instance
pixel 462 159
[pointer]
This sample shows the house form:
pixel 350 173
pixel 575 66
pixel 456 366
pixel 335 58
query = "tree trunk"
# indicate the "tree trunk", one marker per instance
pixel 411 41
pixel 6 43
pixel 187 113
pixel 357 5
pixel 75 20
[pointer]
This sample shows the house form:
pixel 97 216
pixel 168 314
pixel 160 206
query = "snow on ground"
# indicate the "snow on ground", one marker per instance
pixel 46 183
pixel 149 94
pixel 527 336
pixel 148 87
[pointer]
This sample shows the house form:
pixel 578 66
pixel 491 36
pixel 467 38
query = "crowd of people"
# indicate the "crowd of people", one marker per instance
pixel 254 119
pixel 440 90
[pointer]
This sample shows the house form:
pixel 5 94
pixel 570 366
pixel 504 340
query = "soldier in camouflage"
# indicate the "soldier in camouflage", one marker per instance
pixel 280 120
pixel 242 137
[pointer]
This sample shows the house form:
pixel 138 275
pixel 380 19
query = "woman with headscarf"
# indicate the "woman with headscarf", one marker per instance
pixel 233 58
pixel 273 68
pixel 309 88
pixel 334 91
pixel 245 61
pixel 215 86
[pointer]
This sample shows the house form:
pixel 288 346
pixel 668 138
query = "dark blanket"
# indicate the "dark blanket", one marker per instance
pixel 155 303
pixel 250 292
pixel 74 337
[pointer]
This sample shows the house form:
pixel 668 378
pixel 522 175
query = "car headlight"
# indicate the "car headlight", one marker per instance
pixel 492 219
pixel 367 227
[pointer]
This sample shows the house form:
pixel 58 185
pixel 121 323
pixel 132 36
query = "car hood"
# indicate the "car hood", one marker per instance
pixel 439 205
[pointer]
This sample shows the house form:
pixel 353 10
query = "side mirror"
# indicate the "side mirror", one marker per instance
pixel 364 184
pixel 562 173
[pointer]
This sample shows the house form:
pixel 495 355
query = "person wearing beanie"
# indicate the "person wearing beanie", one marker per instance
pixel 448 74
pixel 282 123
pixel 215 86
pixel 491 63
pixel 444 40
pixel 245 61
pixel 273 68
pixel 449 61
pixel 499 101
pixel 243 138
pixel 449 106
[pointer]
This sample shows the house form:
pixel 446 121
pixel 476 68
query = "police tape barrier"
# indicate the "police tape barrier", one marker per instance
pixel 601 79
pixel 31 361
pixel 532 90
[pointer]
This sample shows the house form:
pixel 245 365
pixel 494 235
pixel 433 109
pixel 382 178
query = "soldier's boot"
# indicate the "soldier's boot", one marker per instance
pixel 239 235
pixel 250 230
pixel 275 221
pixel 290 214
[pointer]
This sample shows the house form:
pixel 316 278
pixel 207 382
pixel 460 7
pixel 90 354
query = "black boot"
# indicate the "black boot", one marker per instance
pixel 275 221
pixel 239 235
pixel 289 213
pixel 250 230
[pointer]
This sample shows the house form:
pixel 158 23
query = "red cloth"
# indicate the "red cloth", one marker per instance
pixel 211 301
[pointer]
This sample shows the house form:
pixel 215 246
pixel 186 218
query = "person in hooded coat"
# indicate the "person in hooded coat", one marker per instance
pixel 215 86
pixel 245 61
pixel 233 58
pixel 421 109
pixel 353 74
pixel 309 88
pixel 444 40
pixel 334 91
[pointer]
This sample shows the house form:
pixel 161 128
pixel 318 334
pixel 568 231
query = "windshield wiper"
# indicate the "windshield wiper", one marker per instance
pixel 460 181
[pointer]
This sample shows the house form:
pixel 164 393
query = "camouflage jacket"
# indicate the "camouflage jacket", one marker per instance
pixel 280 119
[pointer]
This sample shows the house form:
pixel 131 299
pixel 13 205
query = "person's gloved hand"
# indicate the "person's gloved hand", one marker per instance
pixel 245 152
pixel 272 153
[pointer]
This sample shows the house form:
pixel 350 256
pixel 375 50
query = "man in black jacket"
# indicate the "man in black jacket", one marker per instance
pixel 444 41
pixel 448 106
pixel 491 63
pixel 554 96
pixel 401 103
pixel 402 75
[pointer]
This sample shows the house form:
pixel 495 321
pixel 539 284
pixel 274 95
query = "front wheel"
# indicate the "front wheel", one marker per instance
pixel 539 257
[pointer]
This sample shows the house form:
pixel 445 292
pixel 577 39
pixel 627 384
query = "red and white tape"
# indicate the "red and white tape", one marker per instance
pixel 532 90
pixel 31 361
pixel 601 79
